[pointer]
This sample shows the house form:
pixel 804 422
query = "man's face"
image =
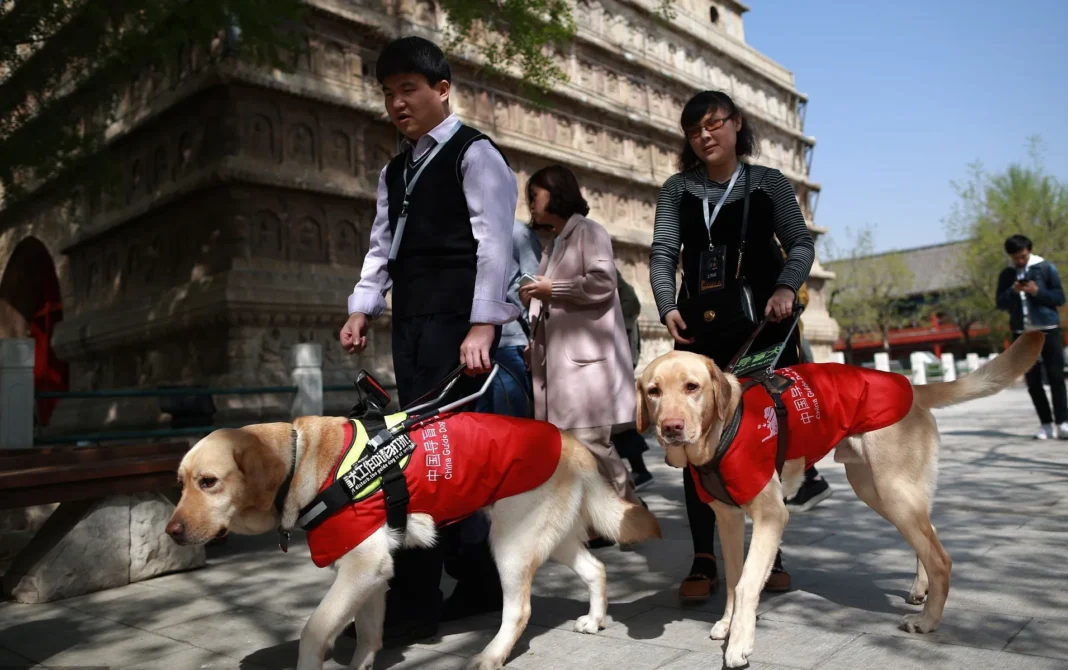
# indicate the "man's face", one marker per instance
pixel 1020 258
pixel 414 106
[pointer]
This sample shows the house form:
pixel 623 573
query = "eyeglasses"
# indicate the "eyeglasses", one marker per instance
pixel 712 125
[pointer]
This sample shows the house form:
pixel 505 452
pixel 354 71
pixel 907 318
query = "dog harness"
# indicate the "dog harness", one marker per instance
pixel 802 411
pixel 449 467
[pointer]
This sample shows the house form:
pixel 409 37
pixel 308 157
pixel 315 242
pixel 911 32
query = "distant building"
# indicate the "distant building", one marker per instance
pixel 934 270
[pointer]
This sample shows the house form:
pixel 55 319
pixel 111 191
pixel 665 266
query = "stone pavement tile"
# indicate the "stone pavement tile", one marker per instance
pixel 776 642
pixel 9 660
pixel 962 627
pixel 554 649
pixel 1034 589
pixel 1042 638
pixel 237 633
pixel 698 661
pixel 54 635
pixel 145 607
pixel 876 651
pixel 193 658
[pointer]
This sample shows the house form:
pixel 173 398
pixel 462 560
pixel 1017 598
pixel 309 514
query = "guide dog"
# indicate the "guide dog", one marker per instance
pixel 892 468
pixel 231 478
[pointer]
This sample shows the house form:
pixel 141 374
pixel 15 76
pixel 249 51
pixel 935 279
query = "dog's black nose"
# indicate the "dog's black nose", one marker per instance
pixel 672 427
pixel 176 529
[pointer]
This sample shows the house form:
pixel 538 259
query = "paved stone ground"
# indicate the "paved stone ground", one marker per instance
pixel 999 511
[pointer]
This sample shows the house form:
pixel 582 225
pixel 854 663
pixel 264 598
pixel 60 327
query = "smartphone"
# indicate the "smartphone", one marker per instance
pixel 527 278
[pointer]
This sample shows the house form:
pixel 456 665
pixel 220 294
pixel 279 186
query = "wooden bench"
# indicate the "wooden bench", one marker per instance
pixel 79 479
pixel 46 475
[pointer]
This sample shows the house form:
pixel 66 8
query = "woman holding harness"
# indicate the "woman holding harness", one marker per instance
pixel 724 216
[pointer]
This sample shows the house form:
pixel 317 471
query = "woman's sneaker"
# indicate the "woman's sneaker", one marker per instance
pixel 812 492
pixel 1045 432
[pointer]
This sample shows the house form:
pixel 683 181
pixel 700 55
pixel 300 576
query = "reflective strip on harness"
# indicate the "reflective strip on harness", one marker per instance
pixel 371 464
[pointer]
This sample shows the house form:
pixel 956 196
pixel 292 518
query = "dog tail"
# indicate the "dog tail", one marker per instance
pixel 613 517
pixel 989 379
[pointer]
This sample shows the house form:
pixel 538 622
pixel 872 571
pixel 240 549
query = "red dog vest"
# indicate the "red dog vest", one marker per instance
pixel 461 463
pixel 826 403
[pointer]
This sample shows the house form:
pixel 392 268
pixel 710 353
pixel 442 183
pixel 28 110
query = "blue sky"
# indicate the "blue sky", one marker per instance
pixel 904 94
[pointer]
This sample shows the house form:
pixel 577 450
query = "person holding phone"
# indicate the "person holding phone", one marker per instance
pixel 722 216
pixel 579 353
pixel 1030 291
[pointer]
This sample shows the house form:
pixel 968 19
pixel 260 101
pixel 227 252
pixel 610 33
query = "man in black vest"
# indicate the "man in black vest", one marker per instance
pixel 442 240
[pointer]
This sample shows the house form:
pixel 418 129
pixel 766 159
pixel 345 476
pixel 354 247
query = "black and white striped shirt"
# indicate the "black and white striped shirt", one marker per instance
pixel 789 226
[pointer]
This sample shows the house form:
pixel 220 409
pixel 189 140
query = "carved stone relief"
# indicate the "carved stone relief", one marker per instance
pixel 308 244
pixel 300 144
pixel 259 133
pixel 267 236
pixel 338 153
pixel 160 168
pixel 347 243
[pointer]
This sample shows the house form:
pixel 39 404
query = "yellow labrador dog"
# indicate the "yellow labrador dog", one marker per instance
pixel 892 469
pixel 231 477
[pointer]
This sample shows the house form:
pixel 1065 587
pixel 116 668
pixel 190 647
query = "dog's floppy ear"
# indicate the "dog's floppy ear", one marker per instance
pixel 722 388
pixel 641 413
pixel 259 457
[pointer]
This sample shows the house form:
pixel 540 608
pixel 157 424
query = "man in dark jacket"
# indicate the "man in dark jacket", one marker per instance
pixel 1030 291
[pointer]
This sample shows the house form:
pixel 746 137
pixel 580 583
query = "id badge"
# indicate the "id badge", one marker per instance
pixel 712 270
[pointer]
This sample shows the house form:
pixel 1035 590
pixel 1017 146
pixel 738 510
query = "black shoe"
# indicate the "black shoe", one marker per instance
pixel 812 492
pixel 642 479
pixel 465 602
pixel 401 635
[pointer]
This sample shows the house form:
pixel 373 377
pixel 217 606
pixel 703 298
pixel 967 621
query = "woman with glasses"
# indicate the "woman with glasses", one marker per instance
pixel 727 219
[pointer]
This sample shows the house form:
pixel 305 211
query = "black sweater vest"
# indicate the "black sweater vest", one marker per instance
pixel 436 264
pixel 762 262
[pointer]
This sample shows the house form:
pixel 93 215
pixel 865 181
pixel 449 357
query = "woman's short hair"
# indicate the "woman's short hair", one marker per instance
pixel 565 196
pixel 696 109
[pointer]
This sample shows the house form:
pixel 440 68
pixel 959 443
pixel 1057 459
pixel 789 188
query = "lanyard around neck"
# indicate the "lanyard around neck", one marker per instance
pixel 709 220
pixel 402 218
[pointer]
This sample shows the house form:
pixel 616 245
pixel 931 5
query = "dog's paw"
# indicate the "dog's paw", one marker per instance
pixel 721 630
pixel 916 598
pixel 917 623
pixel 363 658
pixel 482 662
pixel 587 624
pixel 736 656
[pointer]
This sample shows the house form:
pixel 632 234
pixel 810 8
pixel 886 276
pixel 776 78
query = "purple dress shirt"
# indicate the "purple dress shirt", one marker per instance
pixel 491 191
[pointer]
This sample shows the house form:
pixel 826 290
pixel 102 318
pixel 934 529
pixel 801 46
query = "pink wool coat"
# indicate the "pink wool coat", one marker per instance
pixel 580 356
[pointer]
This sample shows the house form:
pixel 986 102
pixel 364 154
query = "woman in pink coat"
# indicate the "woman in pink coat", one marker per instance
pixel 579 354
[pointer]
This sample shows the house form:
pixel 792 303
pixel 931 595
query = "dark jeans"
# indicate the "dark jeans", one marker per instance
pixel 1052 362
pixel 425 350
pixel 700 516
pixel 511 392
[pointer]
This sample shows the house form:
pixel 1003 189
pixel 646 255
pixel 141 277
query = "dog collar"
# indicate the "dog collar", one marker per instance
pixel 283 492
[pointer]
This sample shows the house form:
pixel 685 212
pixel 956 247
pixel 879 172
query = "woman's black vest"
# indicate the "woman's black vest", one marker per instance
pixel 761 265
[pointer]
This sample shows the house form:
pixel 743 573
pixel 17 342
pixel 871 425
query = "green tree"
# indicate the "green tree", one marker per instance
pixel 64 63
pixel 1023 199
pixel 867 295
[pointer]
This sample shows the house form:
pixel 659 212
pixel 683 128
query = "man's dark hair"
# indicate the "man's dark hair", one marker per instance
pixel 1016 244
pixel 695 109
pixel 413 55
pixel 565 196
